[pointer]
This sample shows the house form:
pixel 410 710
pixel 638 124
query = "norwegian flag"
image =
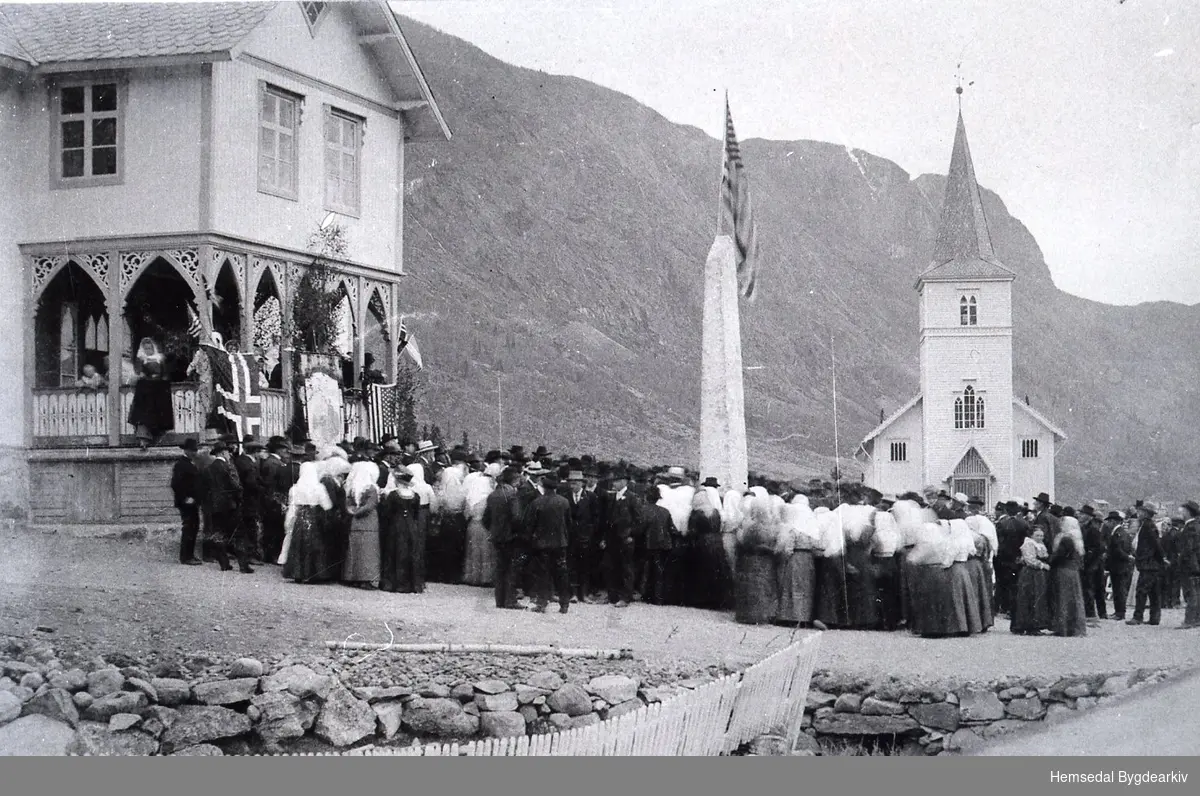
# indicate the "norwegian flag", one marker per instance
pixel 236 395
pixel 408 345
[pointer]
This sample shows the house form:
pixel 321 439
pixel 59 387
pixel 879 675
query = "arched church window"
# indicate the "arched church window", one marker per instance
pixel 968 410
pixel 969 407
pixel 963 313
pixel 972 317
pixel 979 412
pixel 958 413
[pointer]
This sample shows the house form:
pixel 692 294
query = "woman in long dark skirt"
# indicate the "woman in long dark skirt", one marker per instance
pixel 1031 612
pixel 333 473
pixel 1067 615
pixel 885 570
pixel 388 535
pixel 151 412
pixel 860 585
pixel 759 548
pixel 304 556
pixel 832 609
pixel 981 582
pixel 709 581
pixel 797 572
pixel 397 571
pixel 965 587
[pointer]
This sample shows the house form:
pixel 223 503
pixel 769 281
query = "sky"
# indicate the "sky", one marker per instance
pixel 1083 115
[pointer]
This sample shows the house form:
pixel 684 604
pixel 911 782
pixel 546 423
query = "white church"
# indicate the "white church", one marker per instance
pixel 965 431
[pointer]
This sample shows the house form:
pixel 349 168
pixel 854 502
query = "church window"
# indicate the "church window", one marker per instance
pixel 968 410
pixel 1029 449
pixel 899 451
pixel 968 314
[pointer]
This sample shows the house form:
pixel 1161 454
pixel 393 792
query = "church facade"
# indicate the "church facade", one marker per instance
pixel 965 431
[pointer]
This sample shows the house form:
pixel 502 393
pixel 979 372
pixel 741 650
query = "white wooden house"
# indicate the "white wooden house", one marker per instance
pixel 150 150
pixel 965 430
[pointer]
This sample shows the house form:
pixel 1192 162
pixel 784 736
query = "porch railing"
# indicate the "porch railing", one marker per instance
pixel 81 417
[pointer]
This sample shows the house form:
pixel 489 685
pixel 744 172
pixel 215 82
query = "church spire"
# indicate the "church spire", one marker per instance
pixel 963 232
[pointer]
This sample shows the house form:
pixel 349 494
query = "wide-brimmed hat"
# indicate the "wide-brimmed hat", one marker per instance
pixel 250 443
pixel 711 481
pixel 1043 498
pixel 1191 506
pixel 1088 510
pixel 190 445
pixel 1114 515
pixel 425 446
pixel 618 474
pixel 535 468
pixel 220 446
pixel 888 499
pixel 575 475
pixel 960 497
pixel 1012 506
pixel 492 456
pixel 541 452
pixel 1149 508
pixel 676 473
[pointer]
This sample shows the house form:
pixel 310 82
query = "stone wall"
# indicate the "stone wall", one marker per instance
pixel 99 709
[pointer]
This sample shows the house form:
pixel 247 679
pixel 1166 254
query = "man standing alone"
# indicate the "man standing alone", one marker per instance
pixel 185 483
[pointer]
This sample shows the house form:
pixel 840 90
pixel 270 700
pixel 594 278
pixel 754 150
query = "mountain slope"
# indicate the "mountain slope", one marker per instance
pixel 556 248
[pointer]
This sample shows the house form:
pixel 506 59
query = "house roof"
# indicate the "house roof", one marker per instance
pixel 90 33
pixel 1058 432
pixel 879 429
pixel 964 243
pixel 49 32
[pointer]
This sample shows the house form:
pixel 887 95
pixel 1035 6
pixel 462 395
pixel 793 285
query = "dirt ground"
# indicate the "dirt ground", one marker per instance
pixel 130 596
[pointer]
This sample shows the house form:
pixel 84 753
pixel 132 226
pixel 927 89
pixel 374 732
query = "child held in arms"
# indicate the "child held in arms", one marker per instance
pixel 91 380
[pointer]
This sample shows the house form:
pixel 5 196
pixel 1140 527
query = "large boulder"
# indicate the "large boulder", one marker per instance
pixel 299 681
pixel 344 719
pixel 547 681
pixel 202 723
pixel 200 750
pixel 375 694
pixel 491 686
pixel 108 706
pixel 570 699
pixel 614 688
pixel 246 667
pixel 103 682
pixel 505 702
pixel 1026 709
pixel 278 717
pixel 621 708
pixel 818 699
pixel 94 739
pixel 856 724
pixel 10 707
pixel 171 691
pixel 138 684
pixel 388 717
pixel 939 715
pixel 586 720
pixel 880 707
pixel 33 681
pixel 980 705
pixel 226 692
pixel 55 704
pixel 36 736
pixel 527 693
pixel 441 717
pixel 76 679
pixel 847 703
pixel 502 724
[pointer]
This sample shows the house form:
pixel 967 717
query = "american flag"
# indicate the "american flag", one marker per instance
pixel 236 395
pixel 737 215
pixel 195 328
pixel 383 410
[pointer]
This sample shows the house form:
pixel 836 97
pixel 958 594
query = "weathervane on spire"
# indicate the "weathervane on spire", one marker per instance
pixel 958 89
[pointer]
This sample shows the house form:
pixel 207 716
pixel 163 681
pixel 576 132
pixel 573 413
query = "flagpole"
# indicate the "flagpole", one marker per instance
pixel 724 155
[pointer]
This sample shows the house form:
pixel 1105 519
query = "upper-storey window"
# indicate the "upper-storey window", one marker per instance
pixel 968 311
pixel 968 409
pixel 278 121
pixel 88 135
pixel 343 144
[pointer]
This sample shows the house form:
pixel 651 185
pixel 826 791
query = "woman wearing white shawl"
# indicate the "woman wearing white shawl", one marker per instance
pixel 333 472
pixel 797 577
pixel 832 610
pixel 305 556
pixel 909 521
pixel 479 568
pixel 398 509
pixel 760 545
pixel 1067 614
pixel 361 567
pixel 1031 608
pixel 967 582
pixel 885 565
pixel 708 577
pixel 427 507
pixel 678 502
pixel 857 526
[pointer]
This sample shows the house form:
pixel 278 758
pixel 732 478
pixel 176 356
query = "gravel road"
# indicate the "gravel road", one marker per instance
pixel 130 596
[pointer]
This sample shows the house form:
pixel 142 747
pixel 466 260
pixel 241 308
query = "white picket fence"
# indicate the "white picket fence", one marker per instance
pixel 711 720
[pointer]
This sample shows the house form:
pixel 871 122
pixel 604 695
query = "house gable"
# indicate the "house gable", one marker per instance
pixel 1040 419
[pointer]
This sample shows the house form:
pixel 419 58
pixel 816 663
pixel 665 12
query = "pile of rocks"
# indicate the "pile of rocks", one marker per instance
pixel 931 719
pixel 100 709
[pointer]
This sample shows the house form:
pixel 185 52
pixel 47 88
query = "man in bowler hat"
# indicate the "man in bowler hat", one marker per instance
pixel 1150 563
pixel 185 484
pixel 548 519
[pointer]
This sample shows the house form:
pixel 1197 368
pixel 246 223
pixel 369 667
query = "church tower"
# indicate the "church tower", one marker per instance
pixel 966 360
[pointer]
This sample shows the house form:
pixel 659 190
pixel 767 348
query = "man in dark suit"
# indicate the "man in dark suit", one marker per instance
pixel 529 490
pixel 658 531
pixel 1011 531
pixel 223 493
pixel 583 528
pixel 1044 518
pixel 548 519
pixel 623 519
pixel 185 478
pixel 247 465
pixel 1095 553
pixel 1150 562
pixel 1120 561
pixel 275 478
pixel 501 517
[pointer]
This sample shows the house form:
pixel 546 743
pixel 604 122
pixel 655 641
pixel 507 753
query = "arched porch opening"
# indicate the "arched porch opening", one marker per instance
pixel 156 308
pixel 70 329
pixel 227 307
pixel 345 333
pixel 268 328
pixel 377 341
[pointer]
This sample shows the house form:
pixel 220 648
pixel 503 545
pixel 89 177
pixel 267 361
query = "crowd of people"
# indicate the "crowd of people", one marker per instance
pixel 538 528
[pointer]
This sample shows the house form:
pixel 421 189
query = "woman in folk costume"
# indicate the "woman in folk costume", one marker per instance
pixel 361 567
pixel 305 555
pixel 966 588
pixel 1031 611
pixel 987 542
pixel 333 467
pixel 709 578
pixel 151 413
pixel 857 526
pixel 479 569
pixel 910 522
pixel 762 542
pixel 427 506
pixel 1067 611
pixel 832 609
pixel 398 510
pixel 678 501
pixel 446 547
pixel 796 573
pixel 885 565
pixel 732 514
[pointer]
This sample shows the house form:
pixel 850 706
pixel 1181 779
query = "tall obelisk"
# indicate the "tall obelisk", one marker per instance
pixel 722 402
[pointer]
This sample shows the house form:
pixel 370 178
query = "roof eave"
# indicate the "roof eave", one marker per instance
pixel 418 74
pixel 892 419
pixel 1038 416
pixel 14 64
pixel 138 62
pixel 958 460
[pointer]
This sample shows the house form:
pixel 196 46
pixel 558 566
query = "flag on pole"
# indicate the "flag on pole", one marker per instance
pixel 383 410
pixel 737 215
pixel 408 345
pixel 236 394
pixel 195 328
